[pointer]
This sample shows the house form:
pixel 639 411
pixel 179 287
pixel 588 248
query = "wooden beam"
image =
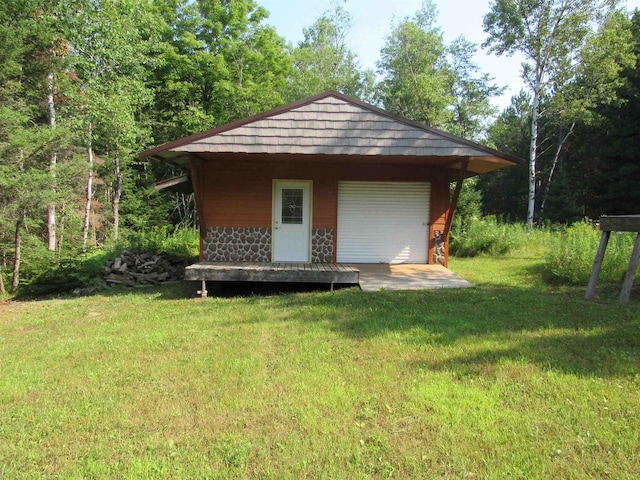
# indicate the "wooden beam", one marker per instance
pixel 454 200
pixel 597 265
pixel 625 292
pixel 195 166
pixel 620 223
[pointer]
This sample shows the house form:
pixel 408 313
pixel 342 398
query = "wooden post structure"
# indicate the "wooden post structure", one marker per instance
pixel 597 265
pixel 625 292
pixel 454 200
pixel 616 223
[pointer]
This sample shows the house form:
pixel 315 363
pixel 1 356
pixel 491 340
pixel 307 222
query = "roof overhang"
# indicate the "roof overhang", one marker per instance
pixel 332 127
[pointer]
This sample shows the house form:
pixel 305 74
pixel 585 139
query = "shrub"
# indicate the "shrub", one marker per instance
pixel 181 243
pixel 79 271
pixel 569 258
pixel 485 236
pixel 47 274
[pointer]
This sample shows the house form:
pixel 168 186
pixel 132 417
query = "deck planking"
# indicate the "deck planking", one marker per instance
pixel 273 272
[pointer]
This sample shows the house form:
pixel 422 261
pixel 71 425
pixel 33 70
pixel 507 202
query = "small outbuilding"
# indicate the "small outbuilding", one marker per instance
pixel 327 179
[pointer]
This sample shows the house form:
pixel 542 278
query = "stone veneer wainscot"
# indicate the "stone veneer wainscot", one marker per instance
pixel 253 244
pixel 230 244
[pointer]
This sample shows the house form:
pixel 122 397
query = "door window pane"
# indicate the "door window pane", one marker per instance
pixel 292 206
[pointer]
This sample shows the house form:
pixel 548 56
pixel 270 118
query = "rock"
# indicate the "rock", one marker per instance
pixel 119 279
pixel 135 269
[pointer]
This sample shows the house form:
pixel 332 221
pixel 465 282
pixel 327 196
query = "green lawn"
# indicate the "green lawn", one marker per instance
pixel 511 379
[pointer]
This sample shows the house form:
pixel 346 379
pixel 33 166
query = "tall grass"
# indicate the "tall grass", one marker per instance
pixel 183 242
pixel 570 255
pixel 490 236
pixel 567 253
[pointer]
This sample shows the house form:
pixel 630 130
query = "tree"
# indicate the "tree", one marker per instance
pixel 431 82
pixel 504 191
pixel 472 92
pixel 323 60
pixel 417 80
pixel 27 141
pixel 113 55
pixel 218 62
pixel 549 34
pixel 606 157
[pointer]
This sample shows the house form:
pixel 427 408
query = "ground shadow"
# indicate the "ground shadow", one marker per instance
pixel 554 328
pixel 611 352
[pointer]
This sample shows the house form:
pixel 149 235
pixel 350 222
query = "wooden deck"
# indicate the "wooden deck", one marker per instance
pixel 329 273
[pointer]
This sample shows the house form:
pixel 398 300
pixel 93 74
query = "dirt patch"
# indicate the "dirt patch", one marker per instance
pixel 9 306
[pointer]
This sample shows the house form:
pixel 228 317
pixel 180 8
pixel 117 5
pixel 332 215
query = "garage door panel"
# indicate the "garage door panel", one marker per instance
pixel 383 222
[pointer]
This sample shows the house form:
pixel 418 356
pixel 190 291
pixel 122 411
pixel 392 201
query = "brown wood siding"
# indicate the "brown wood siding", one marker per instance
pixel 239 194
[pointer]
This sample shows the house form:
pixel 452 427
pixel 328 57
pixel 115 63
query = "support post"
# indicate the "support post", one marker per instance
pixel 203 291
pixel 597 265
pixel 452 208
pixel 625 292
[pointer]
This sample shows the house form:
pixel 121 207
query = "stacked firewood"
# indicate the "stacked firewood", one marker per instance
pixel 139 269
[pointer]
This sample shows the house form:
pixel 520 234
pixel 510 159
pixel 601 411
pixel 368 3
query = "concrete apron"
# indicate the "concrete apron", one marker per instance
pixel 374 277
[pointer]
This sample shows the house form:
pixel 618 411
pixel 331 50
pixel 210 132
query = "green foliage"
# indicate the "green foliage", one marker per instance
pixel 417 78
pixel 57 275
pixel 323 61
pixel 184 242
pixel 433 83
pixel 570 255
pixel 218 62
pixel 550 35
pixel 489 236
pixel 485 236
pixel 606 153
pixel 469 203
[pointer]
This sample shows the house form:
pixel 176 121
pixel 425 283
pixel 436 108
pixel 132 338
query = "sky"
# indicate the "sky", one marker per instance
pixel 372 23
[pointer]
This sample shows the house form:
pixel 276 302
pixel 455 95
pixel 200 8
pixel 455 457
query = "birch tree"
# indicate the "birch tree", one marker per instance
pixel 549 34
pixel 112 58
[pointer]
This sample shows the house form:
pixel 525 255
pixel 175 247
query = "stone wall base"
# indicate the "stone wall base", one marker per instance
pixel 322 245
pixel 253 244
pixel 230 244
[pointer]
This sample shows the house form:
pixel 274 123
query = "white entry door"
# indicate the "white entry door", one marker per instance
pixel 291 221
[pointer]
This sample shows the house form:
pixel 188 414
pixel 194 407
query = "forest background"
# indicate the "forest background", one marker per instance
pixel 85 85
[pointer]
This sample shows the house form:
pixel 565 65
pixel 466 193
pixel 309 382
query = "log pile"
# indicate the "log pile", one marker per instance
pixel 140 269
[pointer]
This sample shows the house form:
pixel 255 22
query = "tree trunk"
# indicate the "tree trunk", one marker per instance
pixel 16 260
pixel 53 160
pixel 554 164
pixel 2 267
pixel 61 229
pixel 87 208
pixel 533 148
pixel 117 193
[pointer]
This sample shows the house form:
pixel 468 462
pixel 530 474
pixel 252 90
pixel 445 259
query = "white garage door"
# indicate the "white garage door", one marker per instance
pixel 383 222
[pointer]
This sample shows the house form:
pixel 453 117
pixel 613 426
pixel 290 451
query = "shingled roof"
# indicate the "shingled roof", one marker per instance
pixel 333 124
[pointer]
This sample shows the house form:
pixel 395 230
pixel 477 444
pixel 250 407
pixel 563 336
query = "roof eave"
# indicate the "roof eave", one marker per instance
pixel 168 147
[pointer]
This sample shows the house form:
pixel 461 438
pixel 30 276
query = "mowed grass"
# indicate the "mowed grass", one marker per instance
pixel 511 379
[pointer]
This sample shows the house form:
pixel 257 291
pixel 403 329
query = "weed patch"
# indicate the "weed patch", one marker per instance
pixel 570 256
